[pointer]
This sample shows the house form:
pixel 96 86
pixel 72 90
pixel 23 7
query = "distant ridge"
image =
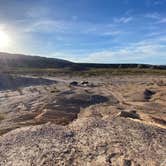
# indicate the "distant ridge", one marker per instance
pixel 124 65
pixel 8 60
pixel 18 60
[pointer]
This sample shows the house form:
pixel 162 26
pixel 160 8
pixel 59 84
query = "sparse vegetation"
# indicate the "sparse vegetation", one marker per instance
pixel 128 71
pixel 88 72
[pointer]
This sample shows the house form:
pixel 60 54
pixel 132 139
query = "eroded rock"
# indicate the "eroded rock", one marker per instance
pixel 131 114
pixel 148 94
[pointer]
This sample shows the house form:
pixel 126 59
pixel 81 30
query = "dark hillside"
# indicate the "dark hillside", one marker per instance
pixel 18 60
pixel 8 61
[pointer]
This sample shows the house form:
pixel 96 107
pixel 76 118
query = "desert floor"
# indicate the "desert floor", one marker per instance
pixel 104 120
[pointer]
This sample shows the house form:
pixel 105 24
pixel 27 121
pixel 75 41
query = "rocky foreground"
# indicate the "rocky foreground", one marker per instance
pixel 127 128
pixel 94 140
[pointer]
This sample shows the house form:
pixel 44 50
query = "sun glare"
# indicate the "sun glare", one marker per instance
pixel 4 39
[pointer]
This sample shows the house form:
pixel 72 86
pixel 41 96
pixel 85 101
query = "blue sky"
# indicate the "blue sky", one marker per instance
pixel 102 31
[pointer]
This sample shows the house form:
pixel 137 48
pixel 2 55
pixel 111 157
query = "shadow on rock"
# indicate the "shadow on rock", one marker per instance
pixel 66 108
pixel 8 82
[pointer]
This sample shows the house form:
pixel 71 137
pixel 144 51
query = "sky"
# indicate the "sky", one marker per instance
pixel 100 31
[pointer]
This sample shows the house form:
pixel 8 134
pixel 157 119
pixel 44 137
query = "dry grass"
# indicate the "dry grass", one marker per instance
pixel 86 72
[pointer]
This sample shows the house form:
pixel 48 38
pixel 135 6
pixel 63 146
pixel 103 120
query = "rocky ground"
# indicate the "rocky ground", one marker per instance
pixel 118 120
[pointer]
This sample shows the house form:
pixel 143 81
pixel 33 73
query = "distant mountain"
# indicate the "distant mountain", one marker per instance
pixel 18 60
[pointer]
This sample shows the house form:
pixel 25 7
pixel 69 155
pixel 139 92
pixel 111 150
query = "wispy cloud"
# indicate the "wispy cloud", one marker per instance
pixel 162 20
pixel 46 26
pixel 39 19
pixel 38 12
pixel 153 16
pixel 112 33
pixel 157 17
pixel 138 52
pixel 159 2
pixel 123 19
pixel 70 27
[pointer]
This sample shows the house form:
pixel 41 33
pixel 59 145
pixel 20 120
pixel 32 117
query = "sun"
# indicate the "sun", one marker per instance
pixel 4 39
